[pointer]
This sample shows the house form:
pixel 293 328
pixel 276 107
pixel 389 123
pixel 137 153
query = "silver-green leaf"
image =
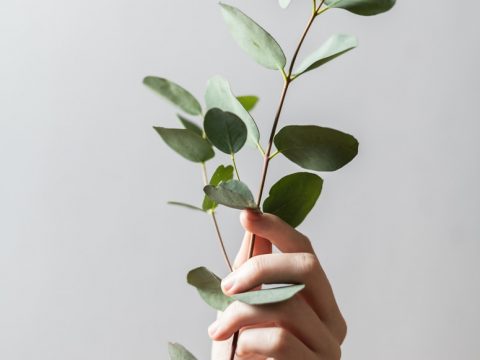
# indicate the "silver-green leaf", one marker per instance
pixel 174 93
pixel 316 148
pixel 225 130
pixel 209 287
pixel 222 173
pixel 269 296
pixel 362 7
pixel 335 46
pixel 293 197
pixel 179 352
pixel 187 143
pixel 233 193
pixel 253 39
pixel 219 95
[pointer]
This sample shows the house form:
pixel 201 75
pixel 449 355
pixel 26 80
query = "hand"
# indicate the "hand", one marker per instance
pixel 309 326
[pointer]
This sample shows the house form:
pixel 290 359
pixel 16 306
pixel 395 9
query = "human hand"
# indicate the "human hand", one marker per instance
pixel 308 326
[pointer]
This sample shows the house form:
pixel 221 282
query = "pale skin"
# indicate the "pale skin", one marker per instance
pixel 310 326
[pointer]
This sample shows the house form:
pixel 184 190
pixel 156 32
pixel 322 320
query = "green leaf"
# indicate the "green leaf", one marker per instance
pixel 178 352
pixel 208 286
pixel 174 93
pixel 335 46
pixel 190 125
pixel 316 148
pixel 293 196
pixel 219 95
pixel 284 3
pixel 223 173
pixel 225 131
pixel 269 296
pixel 188 206
pixel 253 39
pixel 362 7
pixel 232 193
pixel 248 101
pixel 187 143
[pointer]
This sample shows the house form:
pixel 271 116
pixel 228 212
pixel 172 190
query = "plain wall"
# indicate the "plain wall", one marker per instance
pixel 93 261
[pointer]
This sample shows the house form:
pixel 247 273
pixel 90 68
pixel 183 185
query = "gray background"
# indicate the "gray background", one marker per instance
pixel 92 261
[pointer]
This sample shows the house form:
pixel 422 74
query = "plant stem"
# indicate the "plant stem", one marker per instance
pixel 235 166
pixel 215 222
pixel 266 160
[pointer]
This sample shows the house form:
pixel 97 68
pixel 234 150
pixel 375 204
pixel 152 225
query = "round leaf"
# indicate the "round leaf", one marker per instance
pixel 233 193
pixel 335 46
pixel 178 352
pixel 208 286
pixel 186 143
pixel 316 148
pixel 248 101
pixel 190 125
pixel 362 7
pixel 253 39
pixel 219 95
pixel 269 296
pixel 293 197
pixel 225 130
pixel 222 173
pixel 174 93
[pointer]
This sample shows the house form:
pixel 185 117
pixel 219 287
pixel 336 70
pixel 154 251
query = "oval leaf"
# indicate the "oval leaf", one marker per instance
pixel 335 46
pixel 269 296
pixel 225 131
pixel 232 193
pixel 178 352
pixel 209 287
pixel 253 39
pixel 188 206
pixel 284 3
pixel 190 125
pixel 316 148
pixel 174 93
pixel 186 143
pixel 223 173
pixel 293 197
pixel 219 95
pixel 362 7
pixel 248 101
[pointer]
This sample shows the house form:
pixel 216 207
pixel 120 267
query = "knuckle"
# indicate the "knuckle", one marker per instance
pixel 307 263
pixel 279 340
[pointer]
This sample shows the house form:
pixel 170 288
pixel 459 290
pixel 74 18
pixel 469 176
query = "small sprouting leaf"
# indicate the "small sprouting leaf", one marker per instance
pixel 232 193
pixel 362 7
pixel 174 93
pixel 187 143
pixel 188 206
pixel 190 125
pixel 225 130
pixel 335 46
pixel 219 95
pixel 248 101
pixel 253 39
pixel 223 173
pixel 178 352
pixel 284 3
pixel 269 296
pixel 208 286
pixel 293 197
pixel 316 148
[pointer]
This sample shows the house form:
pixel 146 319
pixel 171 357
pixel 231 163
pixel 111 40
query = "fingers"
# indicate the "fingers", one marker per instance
pixel 294 316
pixel 262 246
pixel 278 232
pixel 274 343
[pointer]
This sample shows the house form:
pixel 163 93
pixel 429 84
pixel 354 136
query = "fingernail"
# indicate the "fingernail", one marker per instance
pixel 228 282
pixel 212 329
